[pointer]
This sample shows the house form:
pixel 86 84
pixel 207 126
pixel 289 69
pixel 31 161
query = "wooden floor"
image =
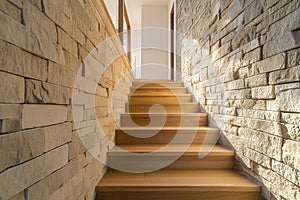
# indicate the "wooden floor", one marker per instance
pixel 155 137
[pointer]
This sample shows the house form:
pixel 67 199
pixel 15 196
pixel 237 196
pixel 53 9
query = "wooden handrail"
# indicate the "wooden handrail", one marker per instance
pixel 128 32
pixel 103 12
pixel 126 17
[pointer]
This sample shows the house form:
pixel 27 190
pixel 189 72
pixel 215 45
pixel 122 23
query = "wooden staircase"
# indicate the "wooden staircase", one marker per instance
pixel 188 177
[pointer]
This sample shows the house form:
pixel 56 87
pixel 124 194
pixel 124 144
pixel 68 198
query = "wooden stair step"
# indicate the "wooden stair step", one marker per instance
pixel 170 119
pixel 192 107
pixel 158 90
pixel 165 135
pixel 156 84
pixel 217 157
pixel 177 185
pixel 160 98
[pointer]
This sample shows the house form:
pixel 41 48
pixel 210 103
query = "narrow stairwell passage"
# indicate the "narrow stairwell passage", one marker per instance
pixel 181 127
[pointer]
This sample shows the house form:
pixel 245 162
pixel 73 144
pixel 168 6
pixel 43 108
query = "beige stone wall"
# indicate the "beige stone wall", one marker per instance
pixel 42 45
pixel 241 60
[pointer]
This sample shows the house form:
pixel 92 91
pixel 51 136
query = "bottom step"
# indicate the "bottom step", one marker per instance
pixel 177 185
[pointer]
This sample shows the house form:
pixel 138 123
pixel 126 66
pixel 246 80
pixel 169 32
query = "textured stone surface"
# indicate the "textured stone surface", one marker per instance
pixel 291 153
pixel 19 178
pixel 43 115
pixel 271 64
pixel 41 92
pixel 10 125
pixel 10 111
pixel 42 44
pixel 20 147
pixel 285 76
pixel 288 100
pixel 57 135
pixel 254 53
pixel 26 65
pixel 266 92
pixel 11 88
pixel 264 143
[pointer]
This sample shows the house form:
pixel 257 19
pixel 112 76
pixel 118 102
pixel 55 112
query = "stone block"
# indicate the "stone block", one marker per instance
pixel 26 65
pixel 251 57
pixel 290 40
pixel 60 75
pixel 43 115
pixel 265 92
pixel 266 144
pixel 259 114
pixel 67 42
pixel 10 111
pixel 288 23
pixel 271 64
pixel 234 85
pixel 20 147
pixel 11 10
pixel 44 188
pixel 76 147
pixel 285 76
pixel 222 51
pixel 238 94
pixel 30 39
pixel 17 3
pixel 290 153
pixel 286 171
pixel 18 178
pixel 10 125
pixel 12 88
pixel 20 196
pixel 270 127
pixel 291 132
pixel 288 100
pixel 256 81
pixel 253 11
pixel 293 58
pixel 290 118
pixel 258 157
pixel 57 135
pixel 46 93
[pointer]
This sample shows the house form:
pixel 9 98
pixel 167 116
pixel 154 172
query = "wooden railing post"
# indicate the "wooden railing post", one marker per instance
pixel 121 19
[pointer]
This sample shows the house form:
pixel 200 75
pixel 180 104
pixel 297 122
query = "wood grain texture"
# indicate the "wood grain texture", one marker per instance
pixel 167 120
pixel 177 184
pixel 177 136
pixel 165 135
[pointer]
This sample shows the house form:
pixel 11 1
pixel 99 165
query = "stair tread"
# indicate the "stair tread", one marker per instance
pixel 165 128
pixel 169 114
pixel 173 148
pixel 160 95
pixel 158 88
pixel 155 80
pixel 181 103
pixel 205 180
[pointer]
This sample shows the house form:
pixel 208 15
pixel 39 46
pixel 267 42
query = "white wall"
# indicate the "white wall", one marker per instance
pixel 112 7
pixel 136 54
pixel 155 62
pixel 170 6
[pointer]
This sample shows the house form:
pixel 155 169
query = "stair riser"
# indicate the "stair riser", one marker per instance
pixel 171 121
pixel 158 91
pixel 186 162
pixel 143 84
pixel 160 100
pixel 135 194
pixel 183 108
pixel 165 137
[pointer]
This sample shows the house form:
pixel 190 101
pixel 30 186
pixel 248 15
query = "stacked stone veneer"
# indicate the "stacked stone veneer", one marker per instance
pixel 42 46
pixel 241 59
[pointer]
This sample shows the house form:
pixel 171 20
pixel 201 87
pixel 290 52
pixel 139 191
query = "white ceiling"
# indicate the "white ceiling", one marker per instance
pixel 134 8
